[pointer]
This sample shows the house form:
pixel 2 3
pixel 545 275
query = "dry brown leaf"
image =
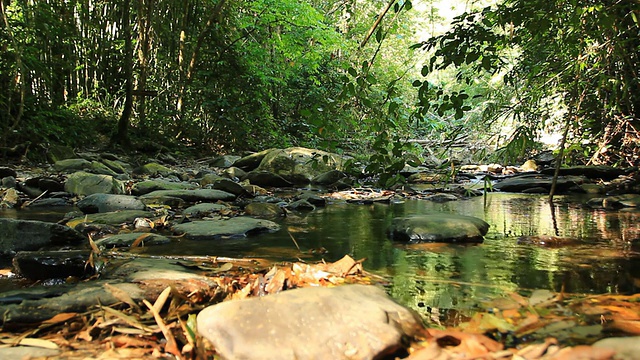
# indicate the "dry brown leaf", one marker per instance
pixel 162 299
pixel 276 283
pixel 536 351
pixel 430 352
pixel 469 344
pixel 120 316
pixel 171 346
pixel 631 327
pixel 123 341
pixel 140 239
pixel 41 343
pixel 345 266
pixel 121 295
pixel 60 318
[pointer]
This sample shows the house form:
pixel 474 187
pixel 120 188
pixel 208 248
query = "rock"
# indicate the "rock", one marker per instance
pixel 97 167
pixel 344 322
pixel 529 165
pixel 7 172
pixel 234 173
pixel 83 183
pixel 261 209
pixel 27 352
pixel 251 162
pixel 96 230
pixel 422 178
pixel 125 240
pixel 153 169
pixel 329 177
pixel 147 186
pixel 110 218
pixel 56 153
pixel 300 165
pixel 203 209
pixel 41 265
pixel 235 227
pixel 626 348
pixel 621 201
pixel 205 195
pixel 441 197
pixel 71 165
pixel 301 204
pixel 50 185
pixel 595 203
pixel 229 186
pixel 592 172
pixel 224 161
pixel 208 179
pixel 78 299
pixel 313 199
pixel 117 166
pixel 171 201
pixel 266 178
pixel 19 235
pixel 438 227
pixel 100 203
pixel 524 182
pixel 9 182
pixel 50 202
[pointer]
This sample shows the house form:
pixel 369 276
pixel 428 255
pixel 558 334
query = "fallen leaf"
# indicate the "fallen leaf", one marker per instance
pixel 121 295
pixel 171 346
pixel 60 318
pixel 41 343
pixel 583 352
pixel 139 240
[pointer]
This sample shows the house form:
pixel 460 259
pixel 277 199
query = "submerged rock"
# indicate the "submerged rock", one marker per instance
pixel 42 265
pixel 345 322
pixel 261 209
pixel 18 235
pixel 99 203
pixel 438 227
pixel 234 227
pixel 125 240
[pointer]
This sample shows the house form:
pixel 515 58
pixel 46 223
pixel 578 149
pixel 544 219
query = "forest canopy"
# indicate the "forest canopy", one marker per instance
pixel 371 76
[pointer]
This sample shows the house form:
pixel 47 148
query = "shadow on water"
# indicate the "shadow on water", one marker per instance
pixel 599 258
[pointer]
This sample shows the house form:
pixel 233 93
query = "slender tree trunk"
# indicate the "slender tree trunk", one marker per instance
pixel 122 135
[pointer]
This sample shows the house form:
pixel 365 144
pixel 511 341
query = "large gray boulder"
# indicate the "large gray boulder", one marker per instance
pixel 300 165
pixel 19 235
pixel 345 322
pixel 438 227
pixel 529 182
pixel 83 183
pixel 99 203
pixel 234 227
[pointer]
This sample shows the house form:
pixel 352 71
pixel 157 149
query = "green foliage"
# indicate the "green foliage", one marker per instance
pixel 587 52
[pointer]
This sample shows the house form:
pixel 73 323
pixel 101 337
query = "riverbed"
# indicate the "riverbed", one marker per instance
pixel 595 250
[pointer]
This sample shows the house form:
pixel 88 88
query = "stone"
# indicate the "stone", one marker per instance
pixel 19 235
pixel 529 165
pixel 110 218
pixel 125 240
pixel 76 299
pixel 205 195
pixel 301 204
pixel 50 202
pixel 71 165
pixel 524 182
pixel 214 229
pixel 203 209
pixel 621 201
pixel 147 186
pixel 329 177
pixel 344 322
pixel 56 153
pixel 313 199
pixel 261 209
pixel 171 201
pixel 9 182
pixel 8 198
pixel 117 166
pixel 266 178
pixel 224 161
pixel 208 179
pixel 300 165
pixel 27 352
pixel 438 227
pixel 251 162
pixel 229 186
pixel 441 197
pixel 234 173
pixel 50 185
pixel 626 348
pixel 97 167
pixel 153 169
pixel 83 183
pixel 100 203
pixel 42 265
pixel 591 172
pixel 7 172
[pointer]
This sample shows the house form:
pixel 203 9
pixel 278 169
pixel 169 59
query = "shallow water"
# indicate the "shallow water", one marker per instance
pixel 435 278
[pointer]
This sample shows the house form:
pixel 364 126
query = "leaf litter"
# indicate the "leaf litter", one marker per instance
pixel 544 326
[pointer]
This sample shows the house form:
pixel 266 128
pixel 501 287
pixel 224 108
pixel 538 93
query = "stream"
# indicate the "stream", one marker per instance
pixel 446 280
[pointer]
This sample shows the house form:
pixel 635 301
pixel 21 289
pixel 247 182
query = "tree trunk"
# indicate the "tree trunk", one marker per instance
pixel 122 135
